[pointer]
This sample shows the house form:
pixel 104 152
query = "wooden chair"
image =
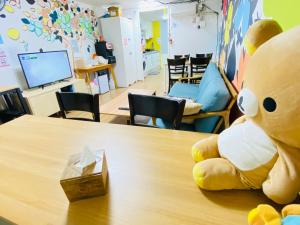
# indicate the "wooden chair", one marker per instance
pixel 197 68
pixel 176 68
pixel 79 102
pixel 167 109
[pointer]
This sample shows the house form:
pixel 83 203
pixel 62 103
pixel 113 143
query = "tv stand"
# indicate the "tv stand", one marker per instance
pixel 42 101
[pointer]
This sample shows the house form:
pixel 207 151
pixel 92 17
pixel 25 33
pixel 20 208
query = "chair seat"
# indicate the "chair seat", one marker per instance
pixel 184 90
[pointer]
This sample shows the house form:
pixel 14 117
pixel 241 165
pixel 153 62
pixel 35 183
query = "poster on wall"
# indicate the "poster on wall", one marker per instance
pixel 3 59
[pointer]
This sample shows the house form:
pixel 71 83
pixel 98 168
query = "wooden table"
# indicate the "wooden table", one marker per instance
pixel 113 106
pixel 150 177
pixel 87 71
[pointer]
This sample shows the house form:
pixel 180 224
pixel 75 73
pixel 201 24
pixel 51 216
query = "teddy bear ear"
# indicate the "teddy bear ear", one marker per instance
pixel 260 32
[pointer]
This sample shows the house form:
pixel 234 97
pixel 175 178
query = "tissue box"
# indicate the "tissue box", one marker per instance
pixel 89 182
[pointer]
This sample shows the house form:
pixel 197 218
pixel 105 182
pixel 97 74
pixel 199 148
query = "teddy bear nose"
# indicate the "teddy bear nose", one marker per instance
pixel 247 102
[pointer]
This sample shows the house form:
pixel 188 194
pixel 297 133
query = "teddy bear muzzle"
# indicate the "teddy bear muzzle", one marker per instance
pixel 247 102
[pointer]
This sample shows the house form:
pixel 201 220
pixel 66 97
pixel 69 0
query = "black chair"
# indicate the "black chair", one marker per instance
pixel 198 67
pixel 200 55
pixel 176 69
pixel 187 57
pixel 79 102
pixel 182 56
pixel 12 105
pixel 167 109
pixel 209 55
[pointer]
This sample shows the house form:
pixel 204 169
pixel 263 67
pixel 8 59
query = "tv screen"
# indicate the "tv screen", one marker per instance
pixel 45 67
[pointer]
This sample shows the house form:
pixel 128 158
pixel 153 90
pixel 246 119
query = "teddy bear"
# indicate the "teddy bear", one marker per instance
pixel 261 149
pixel 267 215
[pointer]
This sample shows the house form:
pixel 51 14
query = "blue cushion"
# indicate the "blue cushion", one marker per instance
pixel 184 90
pixel 214 97
pixel 291 220
pixel 211 73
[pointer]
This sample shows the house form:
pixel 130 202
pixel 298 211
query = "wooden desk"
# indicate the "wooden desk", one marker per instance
pixel 113 106
pixel 150 177
pixel 92 69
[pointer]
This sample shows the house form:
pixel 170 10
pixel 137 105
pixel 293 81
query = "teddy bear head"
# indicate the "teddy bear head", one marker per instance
pixel 271 89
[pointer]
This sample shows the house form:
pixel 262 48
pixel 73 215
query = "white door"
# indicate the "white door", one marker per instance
pixel 129 53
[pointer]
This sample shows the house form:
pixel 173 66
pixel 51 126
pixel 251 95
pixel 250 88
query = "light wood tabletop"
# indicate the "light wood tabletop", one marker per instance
pixel 121 101
pixel 80 72
pixel 150 177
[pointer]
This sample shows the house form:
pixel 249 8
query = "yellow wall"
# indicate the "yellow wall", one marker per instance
pixel 155 36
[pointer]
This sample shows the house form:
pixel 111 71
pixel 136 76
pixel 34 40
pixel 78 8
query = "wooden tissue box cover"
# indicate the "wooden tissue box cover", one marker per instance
pixel 89 183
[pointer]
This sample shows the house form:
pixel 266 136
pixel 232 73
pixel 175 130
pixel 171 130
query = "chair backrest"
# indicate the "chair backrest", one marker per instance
pixel 69 101
pixel 182 56
pixel 198 65
pixel 209 55
pixel 176 67
pixel 170 110
pixel 177 56
pixel 200 55
pixel 187 57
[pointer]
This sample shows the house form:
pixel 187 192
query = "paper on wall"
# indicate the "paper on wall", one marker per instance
pixel 3 59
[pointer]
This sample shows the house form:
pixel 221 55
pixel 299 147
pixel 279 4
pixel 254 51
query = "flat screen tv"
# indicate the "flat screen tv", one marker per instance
pixel 41 68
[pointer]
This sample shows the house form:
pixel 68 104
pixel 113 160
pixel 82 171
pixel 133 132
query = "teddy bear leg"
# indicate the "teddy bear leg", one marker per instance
pixel 292 209
pixel 217 174
pixel 291 214
pixel 264 215
pixel 205 149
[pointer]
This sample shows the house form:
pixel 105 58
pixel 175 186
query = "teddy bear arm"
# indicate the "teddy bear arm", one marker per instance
pixel 239 120
pixel 279 187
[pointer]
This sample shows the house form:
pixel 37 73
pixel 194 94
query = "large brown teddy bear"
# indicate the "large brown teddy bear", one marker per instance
pixel 262 148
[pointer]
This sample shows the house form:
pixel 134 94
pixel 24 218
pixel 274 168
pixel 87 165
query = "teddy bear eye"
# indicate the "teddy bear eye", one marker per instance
pixel 269 104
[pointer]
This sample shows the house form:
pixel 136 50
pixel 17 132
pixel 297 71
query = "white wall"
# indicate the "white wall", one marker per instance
pixel 187 38
pixel 34 40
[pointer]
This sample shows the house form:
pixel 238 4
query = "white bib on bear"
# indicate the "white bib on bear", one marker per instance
pixel 246 146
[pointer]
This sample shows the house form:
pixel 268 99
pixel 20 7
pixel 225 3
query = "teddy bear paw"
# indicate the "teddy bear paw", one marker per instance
pixel 196 153
pixel 264 215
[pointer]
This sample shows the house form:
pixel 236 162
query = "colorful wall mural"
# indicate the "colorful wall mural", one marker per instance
pixel 59 21
pixel 237 16
pixel 35 25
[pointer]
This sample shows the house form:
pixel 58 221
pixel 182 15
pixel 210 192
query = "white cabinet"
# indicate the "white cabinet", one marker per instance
pixel 119 32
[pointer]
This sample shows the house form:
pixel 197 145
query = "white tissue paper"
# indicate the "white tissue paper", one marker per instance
pixel 87 158
pixel 101 60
